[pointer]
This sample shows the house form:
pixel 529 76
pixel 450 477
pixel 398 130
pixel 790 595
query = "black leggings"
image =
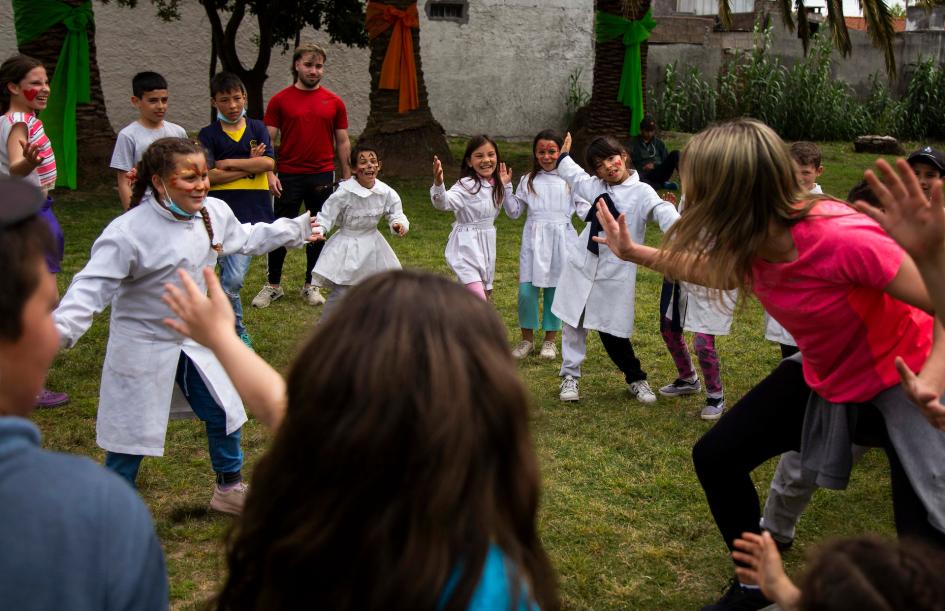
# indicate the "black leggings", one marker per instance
pixel 767 422
pixel 311 190
pixel 620 351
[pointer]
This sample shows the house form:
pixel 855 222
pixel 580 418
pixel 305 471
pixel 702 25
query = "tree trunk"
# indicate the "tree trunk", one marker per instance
pixel 605 114
pixel 94 132
pixel 406 142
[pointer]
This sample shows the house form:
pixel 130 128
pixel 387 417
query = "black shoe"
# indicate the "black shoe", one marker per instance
pixel 737 598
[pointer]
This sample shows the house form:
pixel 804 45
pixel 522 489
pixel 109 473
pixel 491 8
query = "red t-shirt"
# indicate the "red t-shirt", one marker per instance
pixel 831 300
pixel 307 121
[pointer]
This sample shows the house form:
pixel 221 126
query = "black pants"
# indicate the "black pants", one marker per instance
pixel 311 190
pixel 767 422
pixel 661 173
pixel 620 351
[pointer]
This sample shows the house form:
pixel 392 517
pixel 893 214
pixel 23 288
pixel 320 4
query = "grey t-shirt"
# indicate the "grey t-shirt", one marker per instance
pixel 135 139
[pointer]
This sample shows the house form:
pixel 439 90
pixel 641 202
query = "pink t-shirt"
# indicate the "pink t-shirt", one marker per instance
pixel 831 300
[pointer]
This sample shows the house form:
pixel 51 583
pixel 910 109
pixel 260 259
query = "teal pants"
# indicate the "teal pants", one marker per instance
pixel 528 308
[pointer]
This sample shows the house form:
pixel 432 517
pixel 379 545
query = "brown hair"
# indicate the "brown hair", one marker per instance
pixel 160 160
pixel 806 153
pixel 13 70
pixel 467 171
pixel 22 248
pixel 404 455
pixel 308 48
pixel 548 134
pixel 872 573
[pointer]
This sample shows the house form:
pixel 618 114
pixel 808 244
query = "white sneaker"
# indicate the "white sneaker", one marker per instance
pixel 522 349
pixel 642 392
pixel 548 351
pixel 229 501
pixel 312 295
pixel 267 295
pixel 569 389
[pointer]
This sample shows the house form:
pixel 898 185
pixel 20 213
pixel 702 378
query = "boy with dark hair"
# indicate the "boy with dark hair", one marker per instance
pixel 240 152
pixel 929 165
pixel 651 159
pixel 149 96
pixel 806 159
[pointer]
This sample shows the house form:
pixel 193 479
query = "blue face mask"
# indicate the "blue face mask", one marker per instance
pixel 170 205
pixel 223 118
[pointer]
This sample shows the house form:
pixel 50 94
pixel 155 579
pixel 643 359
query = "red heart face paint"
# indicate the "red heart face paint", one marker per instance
pixel 30 94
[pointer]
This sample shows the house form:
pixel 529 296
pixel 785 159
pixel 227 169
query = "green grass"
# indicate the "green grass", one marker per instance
pixel 623 516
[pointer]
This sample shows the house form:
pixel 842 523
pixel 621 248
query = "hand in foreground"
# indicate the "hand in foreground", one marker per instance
pixel 764 568
pixel 923 394
pixel 399 229
pixel 617 235
pixel 908 217
pixel 275 185
pixel 205 319
pixel 505 173
pixel 437 171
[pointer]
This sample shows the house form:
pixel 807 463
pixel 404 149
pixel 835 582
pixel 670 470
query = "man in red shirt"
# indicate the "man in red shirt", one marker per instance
pixel 313 124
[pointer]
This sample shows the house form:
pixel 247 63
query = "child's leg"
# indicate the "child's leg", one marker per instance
pixel 226 455
pixel 233 270
pixel 573 349
pixel 788 350
pixel 125 465
pixel 672 333
pixel 620 351
pixel 528 310
pixel 550 323
pixel 337 292
pixel 709 363
pixel 478 289
pixel 788 497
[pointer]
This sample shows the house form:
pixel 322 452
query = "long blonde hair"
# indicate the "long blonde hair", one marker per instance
pixel 737 177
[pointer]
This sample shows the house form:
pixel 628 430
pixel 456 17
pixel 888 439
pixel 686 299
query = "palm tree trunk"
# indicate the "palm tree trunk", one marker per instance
pixel 94 132
pixel 406 142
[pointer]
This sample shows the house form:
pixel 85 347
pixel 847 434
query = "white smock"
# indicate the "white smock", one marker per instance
pixel 470 250
pixel 357 250
pixel 136 255
pixel 704 310
pixel 602 287
pixel 548 230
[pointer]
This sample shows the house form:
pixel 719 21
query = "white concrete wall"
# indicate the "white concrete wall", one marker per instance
pixel 504 72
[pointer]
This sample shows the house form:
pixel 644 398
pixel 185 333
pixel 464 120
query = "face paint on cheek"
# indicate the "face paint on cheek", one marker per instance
pixel 30 94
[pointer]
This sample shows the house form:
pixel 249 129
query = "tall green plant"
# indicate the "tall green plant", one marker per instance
pixel 923 105
pixel 685 102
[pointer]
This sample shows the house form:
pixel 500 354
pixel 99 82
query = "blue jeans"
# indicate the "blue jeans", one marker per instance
pixel 226 455
pixel 233 270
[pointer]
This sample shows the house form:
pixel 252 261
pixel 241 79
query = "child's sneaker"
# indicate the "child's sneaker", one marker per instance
pixel 229 501
pixel 246 339
pixel 713 409
pixel 267 295
pixel 548 351
pixel 569 389
pixel 642 392
pixel 738 598
pixel 50 398
pixel 312 296
pixel 681 387
pixel 522 349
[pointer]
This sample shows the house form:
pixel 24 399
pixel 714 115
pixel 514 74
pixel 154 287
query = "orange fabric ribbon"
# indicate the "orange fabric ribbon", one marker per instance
pixel 399 71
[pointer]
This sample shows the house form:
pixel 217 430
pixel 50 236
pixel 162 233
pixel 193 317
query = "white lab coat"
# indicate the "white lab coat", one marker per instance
pixel 603 287
pixel 357 250
pixel 470 249
pixel 703 310
pixel 130 263
pixel 548 230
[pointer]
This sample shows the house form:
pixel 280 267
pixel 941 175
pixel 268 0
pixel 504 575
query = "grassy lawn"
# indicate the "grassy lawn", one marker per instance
pixel 623 516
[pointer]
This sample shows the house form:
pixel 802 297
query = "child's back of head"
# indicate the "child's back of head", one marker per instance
pixel 404 455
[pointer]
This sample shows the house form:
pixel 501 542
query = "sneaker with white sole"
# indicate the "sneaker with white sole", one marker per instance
pixel 312 296
pixel 548 351
pixel 229 501
pixel 267 295
pixel 642 392
pixel 522 349
pixel 569 389
pixel 681 387
pixel 714 408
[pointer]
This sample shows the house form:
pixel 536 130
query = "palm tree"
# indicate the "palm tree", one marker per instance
pixel 408 140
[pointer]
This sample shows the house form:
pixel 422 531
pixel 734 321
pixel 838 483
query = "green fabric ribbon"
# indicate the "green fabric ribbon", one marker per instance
pixel 70 84
pixel 633 32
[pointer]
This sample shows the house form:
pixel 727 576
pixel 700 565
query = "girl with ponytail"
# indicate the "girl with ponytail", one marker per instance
pixel 131 262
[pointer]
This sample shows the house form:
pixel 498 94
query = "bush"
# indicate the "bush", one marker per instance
pixel 686 103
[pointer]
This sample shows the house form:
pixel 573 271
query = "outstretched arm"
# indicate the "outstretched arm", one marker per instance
pixel 209 321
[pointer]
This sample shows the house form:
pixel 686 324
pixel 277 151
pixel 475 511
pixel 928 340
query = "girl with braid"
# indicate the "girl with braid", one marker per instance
pixel 171 225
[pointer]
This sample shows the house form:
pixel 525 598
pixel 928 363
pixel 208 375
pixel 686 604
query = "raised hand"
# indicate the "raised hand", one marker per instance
pixel 763 567
pixel 205 319
pixel 31 153
pixel 566 146
pixel 437 171
pixel 505 173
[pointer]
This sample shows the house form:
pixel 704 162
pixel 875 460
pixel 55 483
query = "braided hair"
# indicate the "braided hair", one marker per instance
pixel 158 160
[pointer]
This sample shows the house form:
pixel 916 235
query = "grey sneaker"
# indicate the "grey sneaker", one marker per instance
pixel 267 295
pixel 642 392
pixel 522 349
pixel 569 389
pixel 714 408
pixel 548 351
pixel 681 387
pixel 229 501
pixel 312 295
